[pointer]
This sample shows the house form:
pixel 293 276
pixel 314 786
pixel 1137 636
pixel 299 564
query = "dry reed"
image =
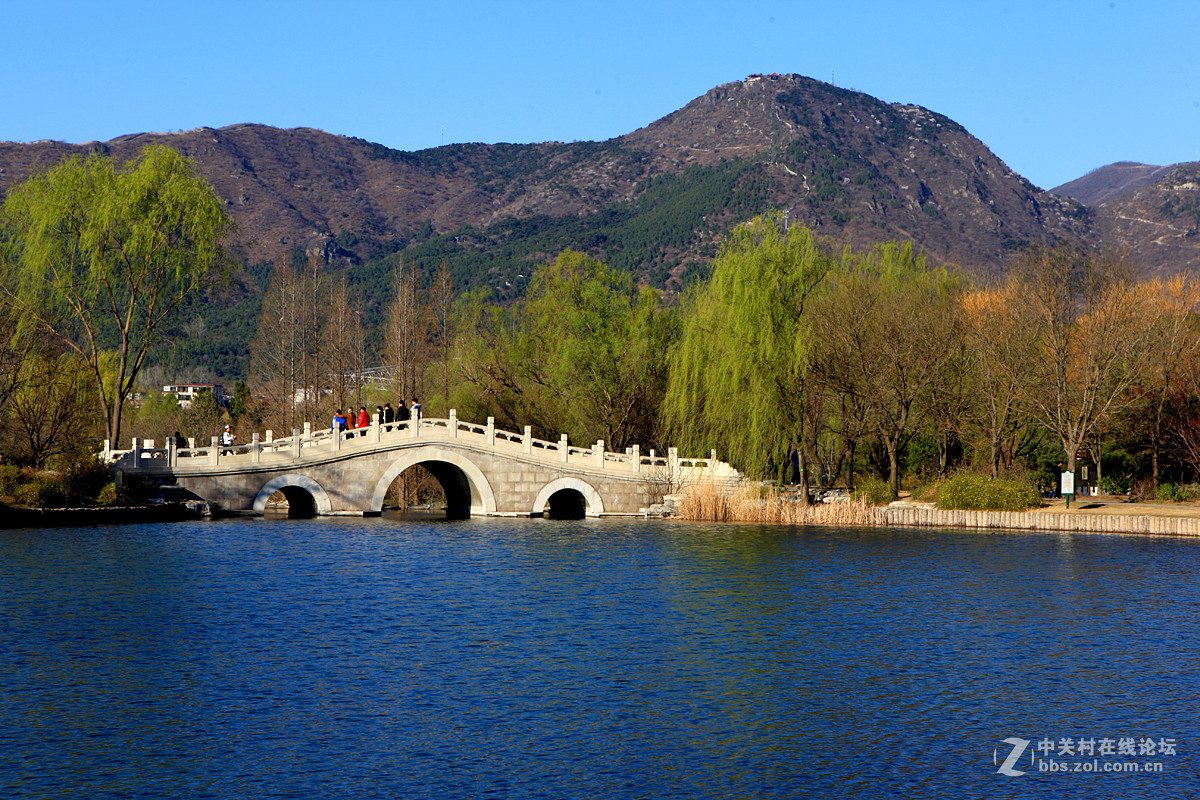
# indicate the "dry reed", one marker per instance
pixel 706 502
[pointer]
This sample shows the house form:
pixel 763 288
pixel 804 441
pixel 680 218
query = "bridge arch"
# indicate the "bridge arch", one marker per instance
pixel 465 485
pixel 283 483
pixel 592 503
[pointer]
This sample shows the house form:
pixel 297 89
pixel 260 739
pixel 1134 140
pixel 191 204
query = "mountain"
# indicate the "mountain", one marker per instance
pixel 653 201
pixel 1158 222
pixel 1106 183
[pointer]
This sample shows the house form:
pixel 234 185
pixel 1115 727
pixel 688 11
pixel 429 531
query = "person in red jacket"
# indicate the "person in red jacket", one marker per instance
pixel 364 419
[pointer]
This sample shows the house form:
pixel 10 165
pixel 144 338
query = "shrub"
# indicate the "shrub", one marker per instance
pixel 1143 489
pixel 10 478
pixel 108 496
pixel 87 477
pixel 1116 484
pixel 1171 492
pixel 45 491
pixel 982 493
pixel 875 492
pixel 926 493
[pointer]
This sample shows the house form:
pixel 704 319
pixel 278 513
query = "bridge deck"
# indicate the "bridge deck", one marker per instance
pixel 309 448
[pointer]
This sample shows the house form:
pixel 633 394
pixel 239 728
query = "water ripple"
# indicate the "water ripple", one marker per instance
pixel 599 659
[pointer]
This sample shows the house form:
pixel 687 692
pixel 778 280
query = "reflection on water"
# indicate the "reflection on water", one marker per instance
pixel 402 657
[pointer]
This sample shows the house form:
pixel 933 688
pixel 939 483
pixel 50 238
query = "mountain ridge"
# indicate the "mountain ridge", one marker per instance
pixel 1112 181
pixel 851 166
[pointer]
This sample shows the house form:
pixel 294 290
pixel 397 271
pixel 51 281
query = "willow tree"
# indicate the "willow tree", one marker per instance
pixel 602 342
pixel 738 381
pixel 584 353
pixel 101 256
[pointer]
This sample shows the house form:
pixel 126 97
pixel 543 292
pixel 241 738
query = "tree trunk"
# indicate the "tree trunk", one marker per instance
pixel 803 456
pixel 893 455
pixel 849 456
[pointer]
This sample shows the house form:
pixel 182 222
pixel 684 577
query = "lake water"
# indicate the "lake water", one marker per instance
pixel 350 658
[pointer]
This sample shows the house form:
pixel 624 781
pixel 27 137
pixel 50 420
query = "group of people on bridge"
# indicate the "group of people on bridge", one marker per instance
pixel 387 416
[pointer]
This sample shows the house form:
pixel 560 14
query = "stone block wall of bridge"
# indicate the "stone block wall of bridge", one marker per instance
pixel 483 471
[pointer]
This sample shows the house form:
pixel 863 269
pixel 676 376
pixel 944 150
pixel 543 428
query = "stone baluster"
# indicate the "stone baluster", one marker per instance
pixel 528 441
pixel 673 460
pixel 255 448
pixel 214 452
pixel 107 452
pixel 637 458
pixel 307 429
pixel 135 449
pixel 296 443
pixel 191 443
pixel 171 453
pixel 376 429
pixel 598 452
pixel 491 432
pixel 270 436
pixel 337 438
pixel 454 423
pixel 712 457
pixel 563 448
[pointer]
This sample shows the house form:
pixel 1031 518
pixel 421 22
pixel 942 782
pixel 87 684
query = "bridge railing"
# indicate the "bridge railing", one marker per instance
pixel 143 456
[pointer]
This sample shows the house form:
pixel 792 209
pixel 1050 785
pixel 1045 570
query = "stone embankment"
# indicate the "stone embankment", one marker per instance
pixel 923 515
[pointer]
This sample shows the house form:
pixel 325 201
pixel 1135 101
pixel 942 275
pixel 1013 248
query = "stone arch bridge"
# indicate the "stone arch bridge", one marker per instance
pixel 483 470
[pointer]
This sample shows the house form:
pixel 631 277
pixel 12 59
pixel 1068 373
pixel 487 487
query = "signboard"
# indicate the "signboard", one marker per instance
pixel 1068 483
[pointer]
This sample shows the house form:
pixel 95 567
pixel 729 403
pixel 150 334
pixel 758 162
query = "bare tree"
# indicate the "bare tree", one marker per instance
pixel 406 334
pixel 1001 347
pixel 277 352
pixel 890 331
pixel 441 304
pixel 1083 311
pixel 343 342
pixel 1172 345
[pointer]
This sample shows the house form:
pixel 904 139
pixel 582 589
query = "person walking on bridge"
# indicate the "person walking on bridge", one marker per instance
pixel 227 439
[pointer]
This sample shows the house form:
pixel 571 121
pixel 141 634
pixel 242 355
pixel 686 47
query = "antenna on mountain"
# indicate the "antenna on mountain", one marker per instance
pixel 832 77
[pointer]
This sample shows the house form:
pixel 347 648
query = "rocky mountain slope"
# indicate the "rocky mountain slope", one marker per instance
pixel 654 201
pixel 1157 222
pixel 1111 181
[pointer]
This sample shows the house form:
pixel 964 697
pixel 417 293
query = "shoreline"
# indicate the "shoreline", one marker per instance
pixel 1057 521
pixel 1174 522
pixel 15 517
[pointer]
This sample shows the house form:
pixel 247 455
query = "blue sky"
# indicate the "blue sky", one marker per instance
pixel 1056 88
